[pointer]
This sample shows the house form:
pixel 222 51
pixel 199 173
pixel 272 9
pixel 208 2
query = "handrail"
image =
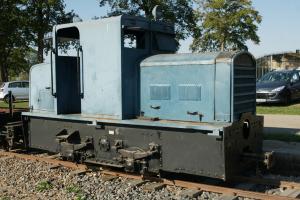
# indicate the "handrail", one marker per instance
pixel 51 58
pixel 81 80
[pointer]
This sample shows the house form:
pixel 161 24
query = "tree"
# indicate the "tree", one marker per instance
pixel 179 12
pixel 227 25
pixel 23 25
pixel 20 62
pixel 13 38
pixel 43 15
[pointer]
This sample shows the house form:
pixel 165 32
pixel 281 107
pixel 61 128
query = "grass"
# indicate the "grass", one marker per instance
pixel 282 137
pixel 80 197
pixel 77 191
pixel 43 186
pixel 73 189
pixel 293 109
pixel 17 104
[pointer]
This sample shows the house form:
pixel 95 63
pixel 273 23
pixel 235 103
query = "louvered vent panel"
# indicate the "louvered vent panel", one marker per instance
pixel 160 92
pixel 189 92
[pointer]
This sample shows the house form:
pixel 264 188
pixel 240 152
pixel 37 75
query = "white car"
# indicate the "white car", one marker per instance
pixel 19 89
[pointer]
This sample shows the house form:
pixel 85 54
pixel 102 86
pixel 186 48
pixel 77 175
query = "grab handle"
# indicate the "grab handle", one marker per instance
pixel 194 113
pixel 155 107
pixel 80 67
pixel 51 61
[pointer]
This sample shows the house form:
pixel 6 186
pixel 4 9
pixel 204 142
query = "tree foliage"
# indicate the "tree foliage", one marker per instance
pixel 180 12
pixel 13 37
pixel 43 15
pixel 226 25
pixel 20 61
pixel 23 25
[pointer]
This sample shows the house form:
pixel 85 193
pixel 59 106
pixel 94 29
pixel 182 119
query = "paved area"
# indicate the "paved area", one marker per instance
pixel 282 121
pixel 282 124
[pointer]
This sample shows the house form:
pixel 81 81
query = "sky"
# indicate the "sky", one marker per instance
pixel 278 32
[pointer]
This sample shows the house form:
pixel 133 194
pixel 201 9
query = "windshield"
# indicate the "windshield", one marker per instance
pixel 276 77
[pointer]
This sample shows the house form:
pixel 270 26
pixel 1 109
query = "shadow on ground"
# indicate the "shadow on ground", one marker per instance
pixel 279 104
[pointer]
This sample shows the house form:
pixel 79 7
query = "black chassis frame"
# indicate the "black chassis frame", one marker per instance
pixel 180 150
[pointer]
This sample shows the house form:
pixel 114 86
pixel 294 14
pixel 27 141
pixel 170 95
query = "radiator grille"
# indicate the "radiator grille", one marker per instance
pixel 244 98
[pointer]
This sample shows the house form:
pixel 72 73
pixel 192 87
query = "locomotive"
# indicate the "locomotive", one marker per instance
pixel 116 93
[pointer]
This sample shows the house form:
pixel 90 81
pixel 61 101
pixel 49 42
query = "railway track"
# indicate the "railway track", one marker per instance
pixel 291 190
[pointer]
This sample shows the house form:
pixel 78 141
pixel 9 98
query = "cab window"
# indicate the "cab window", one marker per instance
pixel 134 39
pixel 68 41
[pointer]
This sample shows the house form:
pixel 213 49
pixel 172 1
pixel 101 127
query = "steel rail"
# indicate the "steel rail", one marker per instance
pixel 207 188
pixel 66 164
pixel 269 181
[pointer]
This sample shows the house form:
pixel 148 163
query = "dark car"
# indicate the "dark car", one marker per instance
pixel 278 87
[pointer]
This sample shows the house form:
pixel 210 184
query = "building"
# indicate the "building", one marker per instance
pixel 283 60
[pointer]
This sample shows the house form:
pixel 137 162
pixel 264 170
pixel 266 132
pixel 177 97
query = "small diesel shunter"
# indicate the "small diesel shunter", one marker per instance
pixel 116 93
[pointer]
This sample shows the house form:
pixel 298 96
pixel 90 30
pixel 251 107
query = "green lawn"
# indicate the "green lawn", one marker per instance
pixel 17 104
pixel 293 109
pixel 282 137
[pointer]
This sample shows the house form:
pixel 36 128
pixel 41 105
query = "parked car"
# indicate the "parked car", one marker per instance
pixel 278 87
pixel 19 89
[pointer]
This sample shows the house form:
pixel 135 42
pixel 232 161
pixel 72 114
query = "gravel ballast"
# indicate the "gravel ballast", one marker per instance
pixel 30 180
pixel 22 179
